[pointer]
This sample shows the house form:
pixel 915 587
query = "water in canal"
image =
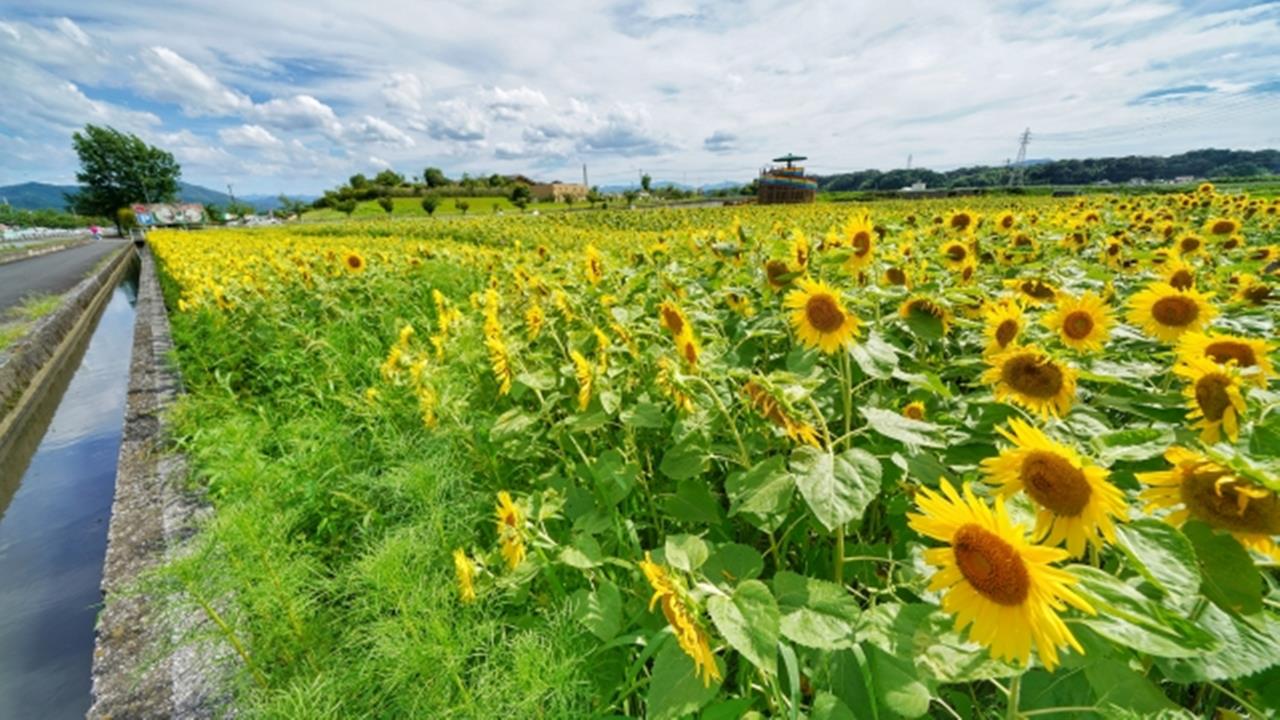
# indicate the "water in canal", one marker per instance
pixel 56 487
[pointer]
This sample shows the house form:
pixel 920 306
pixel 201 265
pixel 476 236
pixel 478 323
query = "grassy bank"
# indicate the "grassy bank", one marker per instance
pixel 19 320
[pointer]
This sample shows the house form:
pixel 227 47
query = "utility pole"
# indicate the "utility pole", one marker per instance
pixel 908 161
pixel 232 194
pixel 584 176
pixel 1016 175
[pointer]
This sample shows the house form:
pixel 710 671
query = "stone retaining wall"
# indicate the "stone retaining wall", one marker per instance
pixel 145 663
pixel 25 364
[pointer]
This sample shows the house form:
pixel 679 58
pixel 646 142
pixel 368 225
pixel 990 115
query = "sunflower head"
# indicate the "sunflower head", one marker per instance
pixel 1076 503
pixel 913 410
pixel 1213 394
pixel 997 584
pixel 921 309
pixel 1004 322
pixel 1083 323
pixel 962 221
pixel 819 317
pixel 673 318
pixel 1029 377
pixel 1179 274
pixel 511 530
pixel 1165 312
pixel 955 253
pixel 1252 356
pixel 354 262
pixel 1196 486
pixel 465 572
pixel 1222 226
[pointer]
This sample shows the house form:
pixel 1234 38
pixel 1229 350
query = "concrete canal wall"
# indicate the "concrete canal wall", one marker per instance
pixel 146 664
pixel 28 364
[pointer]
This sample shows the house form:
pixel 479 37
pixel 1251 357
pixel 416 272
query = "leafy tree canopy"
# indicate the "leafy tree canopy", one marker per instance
pixel 118 169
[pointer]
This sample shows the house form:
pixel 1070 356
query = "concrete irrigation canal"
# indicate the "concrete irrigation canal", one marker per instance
pixel 63 391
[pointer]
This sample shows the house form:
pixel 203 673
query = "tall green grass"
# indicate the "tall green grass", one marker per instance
pixel 327 561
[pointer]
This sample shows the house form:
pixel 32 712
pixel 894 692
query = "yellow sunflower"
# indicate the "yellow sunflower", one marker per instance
pixel 1221 226
pixel 1179 274
pixel 955 253
pixel 683 619
pixel 1189 245
pixel 962 221
pixel 593 265
pixel 466 573
pixel 1213 396
pixel 1076 502
pixel 1165 312
pixel 583 373
pixel 689 350
pixel 1198 488
pixel 354 262
pixel 1029 377
pixel 1006 221
pixel 1034 290
pixel 913 410
pixel 997 584
pixel 861 235
pixel 1082 323
pixel 819 318
pixel 1250 355
pixel 1004 323
pixel 673 318
pixel 511 529
pixel 1252 290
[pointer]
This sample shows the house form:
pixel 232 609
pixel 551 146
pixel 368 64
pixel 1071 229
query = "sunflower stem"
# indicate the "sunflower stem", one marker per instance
pixel 1015 691
pixel 846 382
pixel 838 570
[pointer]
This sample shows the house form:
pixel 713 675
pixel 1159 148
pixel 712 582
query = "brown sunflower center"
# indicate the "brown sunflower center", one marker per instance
pixel 1022 241
pixel 960 221
pixel 1006 332
pixel 1258 294
pixel 1189 244
pixel 861 243
pixel 1175 311
pixel 1077 324
pixel 1037 289
pixel 674 322
pixel 354 262
pixel 956 252
pixel 824 313
pixel 896 276
pixel 1052 481
pixel 991 565
pixel 1223 227
pixel 775 269
pixel 1113 249
pixel 1032 375
pixel 1218 503
pixel 1006 222
pixel 913 411
pixel 1223 351
pixel 1182 279
pixel 1211 395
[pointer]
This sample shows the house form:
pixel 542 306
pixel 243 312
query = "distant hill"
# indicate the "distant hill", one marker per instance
pixel 40 196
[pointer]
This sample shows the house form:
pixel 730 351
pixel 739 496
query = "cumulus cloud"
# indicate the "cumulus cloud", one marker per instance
pixel 248 136
pixel 456 120
pixel 404 91
pixel 377 130
pixel 297 113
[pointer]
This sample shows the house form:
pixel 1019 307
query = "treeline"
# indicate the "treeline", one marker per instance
pixel 1208 164
pixel 47 218
pixel 433 181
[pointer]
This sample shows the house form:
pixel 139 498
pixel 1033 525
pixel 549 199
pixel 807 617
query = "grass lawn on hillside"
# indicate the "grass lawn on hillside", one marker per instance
pixel 412 207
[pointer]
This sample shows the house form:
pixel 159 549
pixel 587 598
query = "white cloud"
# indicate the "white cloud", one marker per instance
pixel 169 77
pixel 249 136
pixel 404 91
pixel 72 30
pixel 297 113
pixel 377 130
pixel 456 120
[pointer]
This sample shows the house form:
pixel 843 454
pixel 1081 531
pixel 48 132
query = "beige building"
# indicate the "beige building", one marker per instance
pixel 558 191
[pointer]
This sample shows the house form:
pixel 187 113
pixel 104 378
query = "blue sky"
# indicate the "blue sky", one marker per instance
pixel 295 97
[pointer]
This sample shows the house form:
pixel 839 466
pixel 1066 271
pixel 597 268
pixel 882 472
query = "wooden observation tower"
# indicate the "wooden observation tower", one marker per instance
pixel 786 184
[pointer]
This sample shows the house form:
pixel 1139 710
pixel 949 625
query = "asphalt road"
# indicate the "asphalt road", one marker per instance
pixel 53 273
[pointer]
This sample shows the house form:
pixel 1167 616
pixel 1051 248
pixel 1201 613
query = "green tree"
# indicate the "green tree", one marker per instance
pixel 358 181
pixel 434 177
pixel 429 204
pixel 126 220
pixel 462 205
pixel 118 169
pixel 345 206
pixel 389 178
pixel 520 193
pixel 386 204
pixel 645 182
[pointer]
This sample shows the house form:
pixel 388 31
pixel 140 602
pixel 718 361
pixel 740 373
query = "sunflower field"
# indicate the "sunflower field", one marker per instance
pixel 1007 457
